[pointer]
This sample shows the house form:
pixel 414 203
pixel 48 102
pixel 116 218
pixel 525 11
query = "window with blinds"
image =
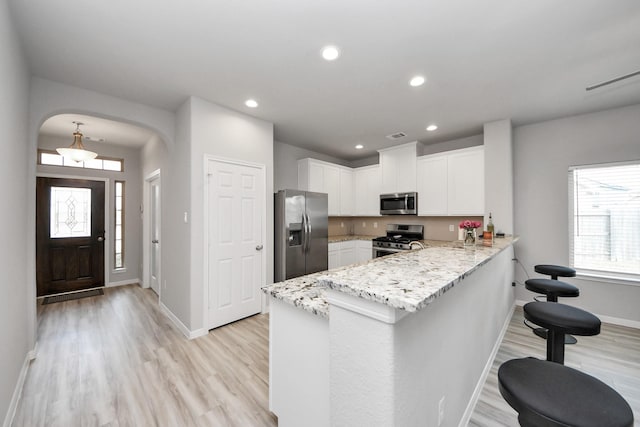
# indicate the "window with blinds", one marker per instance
pixel 604 219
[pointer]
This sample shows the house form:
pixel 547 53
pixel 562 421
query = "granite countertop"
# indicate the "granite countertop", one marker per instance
pixel 348 237
pixel 406 281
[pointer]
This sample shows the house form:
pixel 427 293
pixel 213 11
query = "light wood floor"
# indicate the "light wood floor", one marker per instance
pixel 613 357
pixel 115 360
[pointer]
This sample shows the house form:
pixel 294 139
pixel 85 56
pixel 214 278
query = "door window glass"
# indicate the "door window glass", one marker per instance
pixel 70 212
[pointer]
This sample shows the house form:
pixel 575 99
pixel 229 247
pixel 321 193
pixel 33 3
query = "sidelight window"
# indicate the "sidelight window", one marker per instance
pixel 604 219
pixel 118 243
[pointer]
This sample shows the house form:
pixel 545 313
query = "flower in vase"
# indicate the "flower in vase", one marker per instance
pixel 467 224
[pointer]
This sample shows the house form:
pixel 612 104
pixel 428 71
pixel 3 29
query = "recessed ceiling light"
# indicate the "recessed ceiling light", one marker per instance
pixel 359 147
pixel 330 53
pixel 251 103
pixel 431 128
pixel 416 81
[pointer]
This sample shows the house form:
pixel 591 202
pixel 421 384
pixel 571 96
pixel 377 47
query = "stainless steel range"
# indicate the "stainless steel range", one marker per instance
pixel 398 239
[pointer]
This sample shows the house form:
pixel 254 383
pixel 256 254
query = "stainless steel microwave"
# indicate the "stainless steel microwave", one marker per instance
pixel 399 204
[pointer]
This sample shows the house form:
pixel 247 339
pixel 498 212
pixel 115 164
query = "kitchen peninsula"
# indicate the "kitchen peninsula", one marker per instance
pixel 402 340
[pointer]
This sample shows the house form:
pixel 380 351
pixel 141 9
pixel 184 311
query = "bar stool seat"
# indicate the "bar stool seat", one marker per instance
pixel 548 394
pixel 560 319
pixel 552 288
pixel 555 270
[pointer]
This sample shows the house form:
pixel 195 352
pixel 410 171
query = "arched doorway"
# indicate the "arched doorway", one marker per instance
pixel 119 168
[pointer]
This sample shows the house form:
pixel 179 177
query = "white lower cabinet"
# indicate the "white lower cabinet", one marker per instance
pixel 334 255
pixel 348 252
pixel 364 251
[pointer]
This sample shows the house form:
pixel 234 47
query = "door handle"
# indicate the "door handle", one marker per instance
pixel 100 238
pixel 259 248
pixel 155 241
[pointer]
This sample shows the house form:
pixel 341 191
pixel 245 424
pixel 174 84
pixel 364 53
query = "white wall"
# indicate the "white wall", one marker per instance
pixel 175 199
pixel 16 308
pixel 498 175
pixel 152 158
pixel 454 144
pixel 221 132
pixel 543 153
pixel 285 164
pixel 133 199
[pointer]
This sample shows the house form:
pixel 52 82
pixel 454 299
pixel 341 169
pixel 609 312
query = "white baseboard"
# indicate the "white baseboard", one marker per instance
pixel 618 321
pixel 485 372
pixel 181 326
pixel 606 319
pixel 123 283
pixel 17 392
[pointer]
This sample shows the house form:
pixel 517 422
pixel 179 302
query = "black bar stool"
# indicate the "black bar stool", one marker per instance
pixel 555 270
pixel 548 394
pixel 560 319
pixel 552 289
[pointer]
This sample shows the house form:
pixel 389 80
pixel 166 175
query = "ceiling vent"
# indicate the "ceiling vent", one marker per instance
pixel 396 135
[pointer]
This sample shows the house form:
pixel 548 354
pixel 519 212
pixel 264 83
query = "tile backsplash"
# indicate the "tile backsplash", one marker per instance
pixel 435 228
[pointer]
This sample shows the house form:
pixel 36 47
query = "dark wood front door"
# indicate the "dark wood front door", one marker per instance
pixel 69 235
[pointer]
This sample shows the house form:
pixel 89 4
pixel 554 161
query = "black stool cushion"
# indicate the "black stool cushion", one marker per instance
pixel 552 287
pixel 555 270
pixel 549 394
pixel 562 318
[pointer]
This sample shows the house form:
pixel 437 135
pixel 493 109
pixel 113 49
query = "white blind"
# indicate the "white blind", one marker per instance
pixel 604 218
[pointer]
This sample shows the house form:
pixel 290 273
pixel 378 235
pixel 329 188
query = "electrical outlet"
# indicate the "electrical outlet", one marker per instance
pixel 342 225
pixel 451 227
pixel 375 225
pixel 364 224
pixel 441 410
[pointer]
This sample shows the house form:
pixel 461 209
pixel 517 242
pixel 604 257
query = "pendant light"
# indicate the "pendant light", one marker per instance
pixel 76 151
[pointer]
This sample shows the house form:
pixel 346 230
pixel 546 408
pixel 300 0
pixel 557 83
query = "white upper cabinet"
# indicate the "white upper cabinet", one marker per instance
pixel 432 185
pixel 324 177
pixel 367 189
pixel 332 188
pixel 347 202
pixel 451 183
pixel 466 181
pixel 398 167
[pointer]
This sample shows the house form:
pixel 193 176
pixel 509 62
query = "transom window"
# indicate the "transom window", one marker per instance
pixel 52 158
pixel 604 215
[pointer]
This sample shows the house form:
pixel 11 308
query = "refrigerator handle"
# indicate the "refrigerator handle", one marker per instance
pixel 305 237
pixel 308 234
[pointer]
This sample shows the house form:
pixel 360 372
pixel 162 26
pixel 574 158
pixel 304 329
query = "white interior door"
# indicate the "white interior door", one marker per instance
pixel 236 211
pixel 154 222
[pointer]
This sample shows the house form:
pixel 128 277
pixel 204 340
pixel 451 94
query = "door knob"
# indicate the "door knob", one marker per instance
pixel 100 239
pixel 259 248
pixel 155 241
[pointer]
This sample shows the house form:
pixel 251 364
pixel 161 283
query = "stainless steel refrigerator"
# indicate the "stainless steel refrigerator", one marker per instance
pixel 301 232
